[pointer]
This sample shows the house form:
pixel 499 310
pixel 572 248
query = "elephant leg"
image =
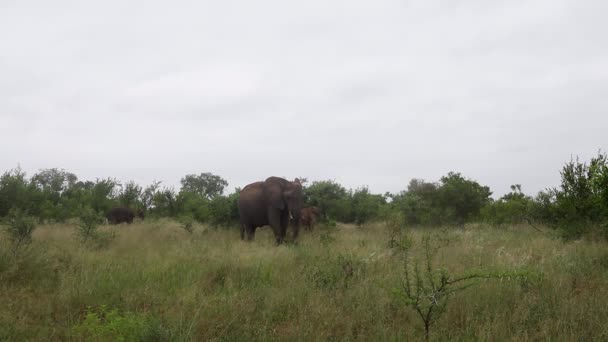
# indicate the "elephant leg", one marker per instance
pixel 274 219
pixel 284 223
pixel 250 232
pixel 243 231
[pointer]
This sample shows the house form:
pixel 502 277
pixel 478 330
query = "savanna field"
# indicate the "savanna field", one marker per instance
pixel 156 281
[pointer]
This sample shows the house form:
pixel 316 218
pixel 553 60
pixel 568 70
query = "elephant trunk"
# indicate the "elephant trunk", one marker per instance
pixel 296 224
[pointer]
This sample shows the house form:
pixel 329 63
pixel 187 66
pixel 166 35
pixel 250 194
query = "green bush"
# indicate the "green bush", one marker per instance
pixel 224 210
pixel 19 229
pixel 581 202
pixel 89 219
pixel 187 223
pixel 453 201
pixel 512 208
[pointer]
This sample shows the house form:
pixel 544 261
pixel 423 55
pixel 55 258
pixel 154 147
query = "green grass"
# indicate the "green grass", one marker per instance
pixel 156 281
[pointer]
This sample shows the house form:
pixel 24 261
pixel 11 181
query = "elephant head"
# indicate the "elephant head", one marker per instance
pixel 284 195
pixel 294 198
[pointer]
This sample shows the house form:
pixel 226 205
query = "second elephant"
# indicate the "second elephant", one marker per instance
pixel 118 215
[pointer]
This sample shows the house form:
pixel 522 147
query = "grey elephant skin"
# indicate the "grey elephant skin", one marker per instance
pixel 271 202
pixel 118 215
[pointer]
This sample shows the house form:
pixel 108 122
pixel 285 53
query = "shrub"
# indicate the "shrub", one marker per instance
pixel 187 223
pixel 366 206
pixel 90 236
pixel 427 290
pixel 89 219
pixel 224 210
pixel 19 229
pixel 512 208
pixel 581 201
pixel 454 200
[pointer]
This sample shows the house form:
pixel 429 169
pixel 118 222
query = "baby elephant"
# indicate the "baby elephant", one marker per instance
pixel 308 217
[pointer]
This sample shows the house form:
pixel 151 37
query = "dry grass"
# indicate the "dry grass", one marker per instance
pixel 209 285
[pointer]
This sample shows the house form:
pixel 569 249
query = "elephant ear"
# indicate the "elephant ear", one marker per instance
pixel 274 195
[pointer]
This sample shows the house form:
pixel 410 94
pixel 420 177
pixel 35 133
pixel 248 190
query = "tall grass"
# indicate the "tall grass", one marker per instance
pixel 210 285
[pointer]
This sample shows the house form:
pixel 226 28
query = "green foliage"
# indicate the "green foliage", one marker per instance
pixel 461 199
pixel 328 231
pixel 365 206
pixel 579 206
pixel 329 196
pixel 224 210
pixel 104 324
pixel 130 195
pixel 19 229
pixel 164 203
pixel 455 200
pixel 514 207
pixel 194 205
pixel 418 204
pixel 187 223
pixel 397 233
pixel 14 192
pixel 102 194
pixel 335 202
pixel 581 202
pixel 89 219
pixel 148 193
pixel 206 185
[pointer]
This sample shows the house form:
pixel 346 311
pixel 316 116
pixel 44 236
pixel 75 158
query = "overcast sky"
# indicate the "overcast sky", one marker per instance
pixel 362 92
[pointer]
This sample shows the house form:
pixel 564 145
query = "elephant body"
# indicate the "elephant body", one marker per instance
pixel 271 202
pixel 308 217
pixel 118 215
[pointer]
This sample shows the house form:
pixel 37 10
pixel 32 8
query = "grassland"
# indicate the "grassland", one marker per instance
pixel 156 281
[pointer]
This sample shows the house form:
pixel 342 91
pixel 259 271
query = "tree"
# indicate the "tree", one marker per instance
pixel 461 199
pixel 147 196
pixel 514 207
pixel 206 184
pixel 54 180
pixel 130 195
pixel 330 197
pixel 103 194
pixel 13 191
pixel 582 199
pixel 365 205
pixel 164 203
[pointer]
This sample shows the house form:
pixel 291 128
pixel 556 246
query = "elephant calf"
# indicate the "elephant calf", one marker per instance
pixel 308 217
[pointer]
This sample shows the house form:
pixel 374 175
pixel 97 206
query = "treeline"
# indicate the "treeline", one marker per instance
pixel 54 195
pixel 577 206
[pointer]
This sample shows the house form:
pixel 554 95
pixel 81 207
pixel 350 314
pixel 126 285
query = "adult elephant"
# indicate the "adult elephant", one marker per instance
pixel 118 215
pixel 309 216
pixel 271 202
